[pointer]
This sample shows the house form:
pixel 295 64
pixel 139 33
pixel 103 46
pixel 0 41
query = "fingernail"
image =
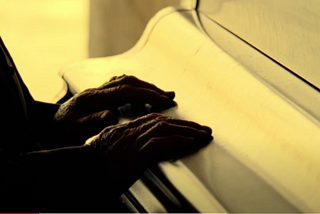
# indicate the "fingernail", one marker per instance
pixel 103 115
pixel 170 94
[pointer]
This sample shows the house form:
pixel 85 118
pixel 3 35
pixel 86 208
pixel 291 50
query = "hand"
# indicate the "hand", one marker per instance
pixel 90 111
pixel 128 149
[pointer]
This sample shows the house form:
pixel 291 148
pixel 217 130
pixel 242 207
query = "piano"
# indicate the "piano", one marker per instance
pixel 249 70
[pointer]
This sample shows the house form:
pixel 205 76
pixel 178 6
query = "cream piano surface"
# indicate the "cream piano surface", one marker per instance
pixel 265 119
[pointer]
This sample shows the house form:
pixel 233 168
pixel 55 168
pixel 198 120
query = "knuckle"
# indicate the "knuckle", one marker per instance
pixel 161 125
pixel 160 117
pixel 113 78
pixel 149 117
pixel 79 98
pixel 164 118
pixel 111 133
pixel 88 91
pixel 104 85
pixel 129 78
pixel 86 96
pixel 127 87
pixel 123 87
pixel 126 79
pixel 153 115
pixel 152 141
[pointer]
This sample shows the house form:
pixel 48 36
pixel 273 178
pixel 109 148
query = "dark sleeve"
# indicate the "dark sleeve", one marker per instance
pixel 60 180
pixel 49 109
pixel 69 179
pixel 42 123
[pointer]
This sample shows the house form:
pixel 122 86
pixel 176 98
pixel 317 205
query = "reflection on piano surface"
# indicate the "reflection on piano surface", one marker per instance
pixel 265 155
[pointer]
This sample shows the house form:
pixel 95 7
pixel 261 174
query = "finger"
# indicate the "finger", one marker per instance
pixel 134 81
pixel 97 100
pixel 116 77
pixel 124 94
pixel 106 84
pixel 164 129
pixel 189 124
pixel 163 148
pixel 146 121
pixel 151 119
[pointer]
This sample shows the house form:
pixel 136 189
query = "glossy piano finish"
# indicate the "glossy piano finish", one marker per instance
pixel 286 30
pixel 265 155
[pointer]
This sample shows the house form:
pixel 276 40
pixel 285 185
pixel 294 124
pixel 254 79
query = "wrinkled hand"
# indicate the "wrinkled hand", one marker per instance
pixel 126 150
pixel 90 111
